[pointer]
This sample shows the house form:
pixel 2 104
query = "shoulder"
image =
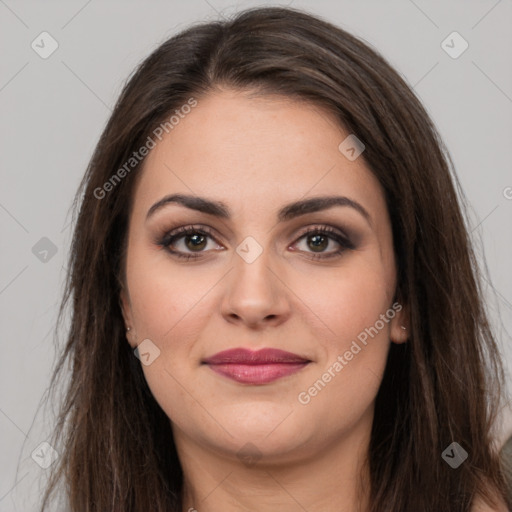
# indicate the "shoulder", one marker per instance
pixel 479 505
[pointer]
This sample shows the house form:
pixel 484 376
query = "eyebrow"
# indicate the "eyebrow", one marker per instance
pixel 288 212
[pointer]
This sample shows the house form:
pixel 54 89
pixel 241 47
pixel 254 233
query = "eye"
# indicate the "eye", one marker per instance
pixel 319 239
pixel 189 242
pixel 183 242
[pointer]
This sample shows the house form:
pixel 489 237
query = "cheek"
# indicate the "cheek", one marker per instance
pixel 171 307
pixel 165 297
pixel 349 299
pixel 354 350
pixel 355 340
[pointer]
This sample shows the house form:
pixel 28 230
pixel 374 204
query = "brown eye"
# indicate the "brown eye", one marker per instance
pixel 188 242
pixel 323 242
pixel 195 242
pixel 318 242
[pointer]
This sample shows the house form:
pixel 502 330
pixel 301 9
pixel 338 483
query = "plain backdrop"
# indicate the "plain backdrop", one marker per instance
pixel 53 111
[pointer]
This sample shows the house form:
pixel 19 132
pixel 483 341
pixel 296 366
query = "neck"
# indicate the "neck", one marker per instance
pixel 332 478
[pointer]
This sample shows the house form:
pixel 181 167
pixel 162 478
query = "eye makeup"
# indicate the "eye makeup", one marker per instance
pixel 198 234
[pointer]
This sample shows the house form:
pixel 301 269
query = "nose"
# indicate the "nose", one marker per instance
pixel 255 294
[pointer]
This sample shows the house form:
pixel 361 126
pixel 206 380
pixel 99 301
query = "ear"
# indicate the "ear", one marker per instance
pixel 126 310
pixel 400 323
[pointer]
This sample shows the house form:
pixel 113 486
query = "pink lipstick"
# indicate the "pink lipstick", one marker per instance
pixel 256 367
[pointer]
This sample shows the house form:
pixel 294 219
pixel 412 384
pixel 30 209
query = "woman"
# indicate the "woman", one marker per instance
pixel 275 303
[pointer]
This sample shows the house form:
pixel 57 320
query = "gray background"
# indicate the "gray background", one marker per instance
pixel 54 109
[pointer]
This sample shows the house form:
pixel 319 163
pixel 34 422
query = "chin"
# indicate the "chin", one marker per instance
pixel 275 440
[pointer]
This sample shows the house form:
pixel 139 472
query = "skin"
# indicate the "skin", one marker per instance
pixel 257 155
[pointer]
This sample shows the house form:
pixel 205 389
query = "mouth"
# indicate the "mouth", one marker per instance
pixel 256 367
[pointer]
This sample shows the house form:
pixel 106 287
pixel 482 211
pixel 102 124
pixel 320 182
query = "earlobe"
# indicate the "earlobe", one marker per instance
pixel 126 310
pixel 130 337
pixel 400 330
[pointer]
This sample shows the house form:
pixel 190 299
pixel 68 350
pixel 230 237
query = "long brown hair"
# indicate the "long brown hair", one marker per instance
pixel 442 386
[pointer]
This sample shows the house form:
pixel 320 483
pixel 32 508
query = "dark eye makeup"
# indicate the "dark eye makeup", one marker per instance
pixel 198 235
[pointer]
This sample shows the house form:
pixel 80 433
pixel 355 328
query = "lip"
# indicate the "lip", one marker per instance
pixel 254 357
pixel 256 367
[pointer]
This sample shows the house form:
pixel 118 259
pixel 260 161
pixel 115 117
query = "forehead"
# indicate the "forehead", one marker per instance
pixel 256 152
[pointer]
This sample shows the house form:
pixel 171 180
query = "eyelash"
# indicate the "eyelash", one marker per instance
pixel 171 237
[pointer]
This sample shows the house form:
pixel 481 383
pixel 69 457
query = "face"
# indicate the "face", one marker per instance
pixel 255 272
